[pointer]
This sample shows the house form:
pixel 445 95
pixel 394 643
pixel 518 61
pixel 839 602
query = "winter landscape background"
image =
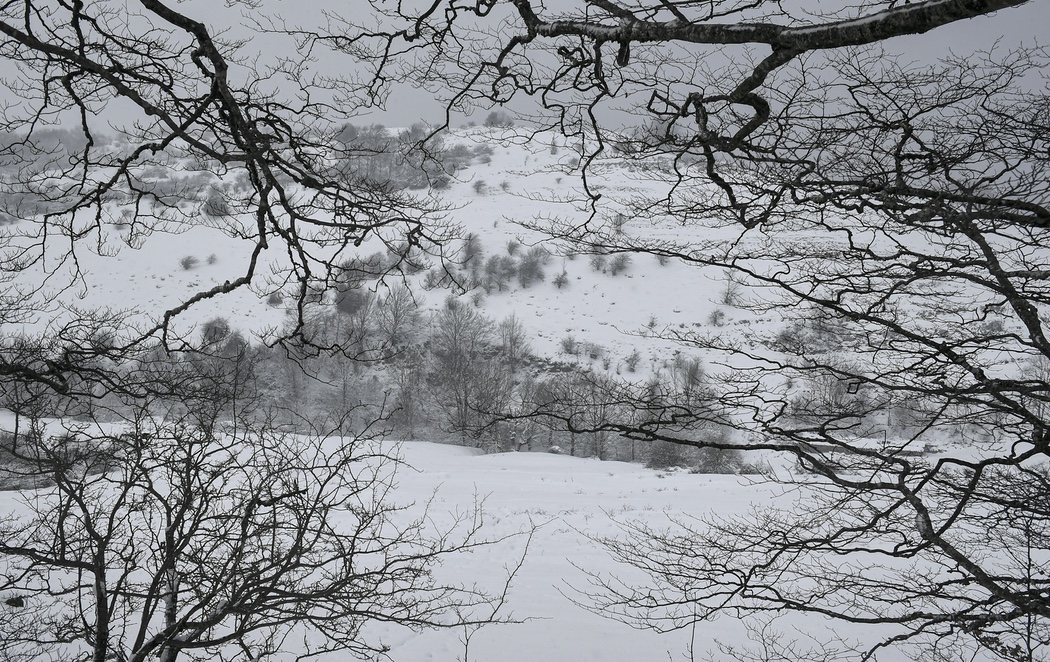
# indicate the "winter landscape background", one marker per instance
pixel 641 338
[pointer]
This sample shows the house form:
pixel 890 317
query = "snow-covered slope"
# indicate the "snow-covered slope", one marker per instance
pixel 523 182
pixel 594 307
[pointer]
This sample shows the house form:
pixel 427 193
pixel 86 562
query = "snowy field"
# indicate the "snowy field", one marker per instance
pixel 565 501
pixel 569 500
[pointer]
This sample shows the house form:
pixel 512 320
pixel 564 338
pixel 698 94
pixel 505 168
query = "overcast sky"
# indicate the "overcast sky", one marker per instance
pixel 1028 24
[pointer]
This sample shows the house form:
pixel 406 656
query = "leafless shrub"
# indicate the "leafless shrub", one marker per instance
pixel 569 345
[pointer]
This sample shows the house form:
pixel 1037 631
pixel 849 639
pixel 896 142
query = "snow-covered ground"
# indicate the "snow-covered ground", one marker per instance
pixel 568 499
pixel 564 502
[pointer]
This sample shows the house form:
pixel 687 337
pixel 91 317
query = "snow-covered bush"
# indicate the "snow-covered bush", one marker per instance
pixel 619 264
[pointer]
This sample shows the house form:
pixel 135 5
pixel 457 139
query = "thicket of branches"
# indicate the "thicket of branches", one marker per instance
pixel 125 123
pixel 170 509
pixel 196 526
pixel 905 205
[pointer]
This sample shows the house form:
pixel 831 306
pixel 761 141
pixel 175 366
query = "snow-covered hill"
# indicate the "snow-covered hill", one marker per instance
pixel 519 182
